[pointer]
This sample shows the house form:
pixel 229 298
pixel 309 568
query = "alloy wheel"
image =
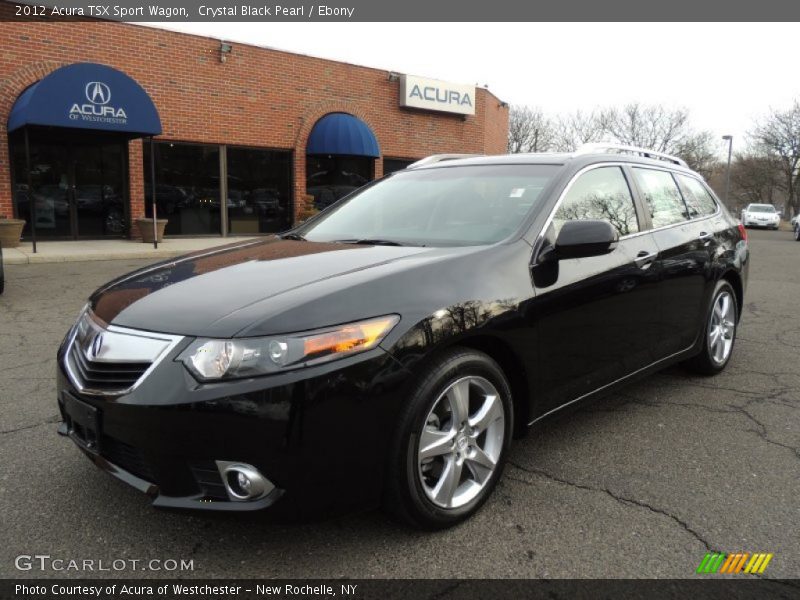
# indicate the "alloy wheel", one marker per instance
pixel 461 442
pixel 722 328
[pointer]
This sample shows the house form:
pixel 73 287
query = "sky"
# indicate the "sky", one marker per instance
pixel 726 74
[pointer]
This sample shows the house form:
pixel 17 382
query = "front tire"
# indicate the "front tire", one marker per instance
pixel 719 332
pixel 452 440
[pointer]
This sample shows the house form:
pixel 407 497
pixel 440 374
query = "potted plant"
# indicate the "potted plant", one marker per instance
pixel 10 231
pixel 307 210
pixel 145 226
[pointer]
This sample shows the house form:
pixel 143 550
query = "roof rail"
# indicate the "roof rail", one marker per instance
pixel 603 147
pixel 436 158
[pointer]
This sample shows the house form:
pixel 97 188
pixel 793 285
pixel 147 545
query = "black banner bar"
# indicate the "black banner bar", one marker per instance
pixel 255 589
pixel 408 11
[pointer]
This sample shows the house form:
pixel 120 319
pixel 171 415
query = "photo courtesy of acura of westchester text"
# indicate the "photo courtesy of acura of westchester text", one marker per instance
pixel 307 299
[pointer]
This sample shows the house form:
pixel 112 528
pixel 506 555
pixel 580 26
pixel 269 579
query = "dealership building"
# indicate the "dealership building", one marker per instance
pixel 239 139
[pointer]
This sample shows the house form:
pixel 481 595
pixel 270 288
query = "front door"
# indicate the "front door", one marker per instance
pixel 78 184
pixel 595 317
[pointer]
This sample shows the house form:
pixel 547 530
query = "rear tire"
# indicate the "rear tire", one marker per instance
pixel 452 440
pixel 719 332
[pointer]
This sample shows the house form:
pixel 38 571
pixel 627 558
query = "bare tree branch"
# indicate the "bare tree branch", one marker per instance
pixel 529 130
pixel 778 135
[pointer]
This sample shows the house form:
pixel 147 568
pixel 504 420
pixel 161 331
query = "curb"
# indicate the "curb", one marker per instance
pixel 25 259
pixel 125 251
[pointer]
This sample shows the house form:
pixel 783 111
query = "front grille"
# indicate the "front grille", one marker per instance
pixel 126 457
pixel 104 359
pixel 104 376
pixel 208 478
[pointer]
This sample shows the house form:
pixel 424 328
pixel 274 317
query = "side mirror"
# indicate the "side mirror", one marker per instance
pixel 590 237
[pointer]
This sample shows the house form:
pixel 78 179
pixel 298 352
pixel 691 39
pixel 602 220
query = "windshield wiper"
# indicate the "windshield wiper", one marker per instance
pixel 370 242
pixel 293 236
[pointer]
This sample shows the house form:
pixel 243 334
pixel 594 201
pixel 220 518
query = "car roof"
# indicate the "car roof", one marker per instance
pixel 553 158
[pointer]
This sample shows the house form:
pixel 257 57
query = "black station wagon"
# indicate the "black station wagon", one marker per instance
pixel 388 350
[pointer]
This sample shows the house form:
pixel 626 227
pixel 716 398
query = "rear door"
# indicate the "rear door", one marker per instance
pixel 683 261
pixel 594 317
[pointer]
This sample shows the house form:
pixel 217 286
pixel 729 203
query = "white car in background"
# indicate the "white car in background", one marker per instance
pixel 760 215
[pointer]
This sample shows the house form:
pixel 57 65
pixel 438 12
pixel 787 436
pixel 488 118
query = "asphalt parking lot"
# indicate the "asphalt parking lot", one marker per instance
pixel 640 484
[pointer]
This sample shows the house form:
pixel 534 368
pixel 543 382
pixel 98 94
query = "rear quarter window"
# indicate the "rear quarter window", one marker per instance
pixel 698 199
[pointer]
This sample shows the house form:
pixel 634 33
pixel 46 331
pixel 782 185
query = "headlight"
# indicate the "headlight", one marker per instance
pixel 250 357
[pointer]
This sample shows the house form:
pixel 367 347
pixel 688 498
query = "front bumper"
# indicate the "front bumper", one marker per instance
pixel 764 224
pixel 320 434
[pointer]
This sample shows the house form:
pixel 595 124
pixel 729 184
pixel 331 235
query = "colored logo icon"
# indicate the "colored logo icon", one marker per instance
pixel 737 562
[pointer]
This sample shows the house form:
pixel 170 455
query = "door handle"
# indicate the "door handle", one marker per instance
pixel 705 237
pixel 644 259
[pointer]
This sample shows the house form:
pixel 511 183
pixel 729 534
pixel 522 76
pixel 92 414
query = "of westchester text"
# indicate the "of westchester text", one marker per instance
pixel 274 10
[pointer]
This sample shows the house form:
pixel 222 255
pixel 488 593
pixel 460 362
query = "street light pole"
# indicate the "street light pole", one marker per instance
pixel 729 138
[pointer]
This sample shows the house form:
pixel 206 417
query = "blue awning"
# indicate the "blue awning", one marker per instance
pixel 87 96
pixel 340 133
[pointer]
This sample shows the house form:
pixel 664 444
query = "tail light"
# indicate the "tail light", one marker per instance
pixel 743 232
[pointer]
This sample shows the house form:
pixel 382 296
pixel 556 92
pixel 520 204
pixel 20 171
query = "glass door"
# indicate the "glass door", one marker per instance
pixel 97 189
pixel 51 189
pixel 78 184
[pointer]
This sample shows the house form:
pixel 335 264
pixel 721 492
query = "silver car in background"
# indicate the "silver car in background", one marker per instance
pixel 761 215
pixel 796 226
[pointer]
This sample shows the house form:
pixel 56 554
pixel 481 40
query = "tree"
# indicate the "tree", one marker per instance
pixel 757 177
pixel 697 149
pixel 577 128
pixel 653 127
pixel 662 129
pixel 529 130
pixel 778 135
pixel 646 126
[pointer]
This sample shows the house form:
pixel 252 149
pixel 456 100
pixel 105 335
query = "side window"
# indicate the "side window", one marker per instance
pixel 662 196
pixel 700 202
pixel 601 193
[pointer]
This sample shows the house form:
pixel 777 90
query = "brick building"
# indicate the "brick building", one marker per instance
pixel 257 127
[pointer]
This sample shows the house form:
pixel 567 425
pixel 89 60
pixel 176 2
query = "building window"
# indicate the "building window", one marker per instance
pixel 259 191
pixel 329 178
pixel 390 165
pixel 187 187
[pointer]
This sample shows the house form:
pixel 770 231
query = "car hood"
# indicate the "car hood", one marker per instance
pixel 246 288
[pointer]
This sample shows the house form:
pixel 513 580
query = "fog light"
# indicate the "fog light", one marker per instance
pixel 243 482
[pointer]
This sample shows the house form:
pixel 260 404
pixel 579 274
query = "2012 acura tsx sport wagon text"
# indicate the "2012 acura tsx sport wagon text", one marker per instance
pixel 387 350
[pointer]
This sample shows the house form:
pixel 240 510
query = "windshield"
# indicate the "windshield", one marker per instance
pixel 451 206
pixel 761 208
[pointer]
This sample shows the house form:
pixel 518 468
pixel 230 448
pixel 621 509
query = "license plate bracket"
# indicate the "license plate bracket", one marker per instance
pixel 83 423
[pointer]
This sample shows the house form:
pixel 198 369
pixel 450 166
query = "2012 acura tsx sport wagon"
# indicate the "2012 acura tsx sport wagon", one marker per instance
pixel 387 350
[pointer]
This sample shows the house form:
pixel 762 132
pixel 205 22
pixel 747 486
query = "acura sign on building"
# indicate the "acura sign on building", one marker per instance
pixel 433 94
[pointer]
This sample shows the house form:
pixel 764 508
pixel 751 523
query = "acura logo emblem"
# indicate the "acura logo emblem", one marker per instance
pixel 97 345
pixel 98 92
